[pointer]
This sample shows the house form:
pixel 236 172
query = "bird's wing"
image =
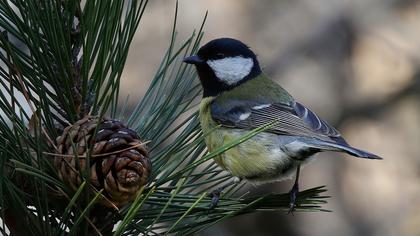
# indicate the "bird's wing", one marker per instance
pixel 292 119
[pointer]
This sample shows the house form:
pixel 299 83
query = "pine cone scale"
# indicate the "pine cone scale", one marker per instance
pixel 114 143
pixel 121 162
pixel 127 178
pixel 107 164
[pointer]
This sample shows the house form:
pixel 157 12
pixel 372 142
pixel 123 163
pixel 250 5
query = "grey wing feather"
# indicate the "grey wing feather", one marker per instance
pixel 293 119
pixel 317 124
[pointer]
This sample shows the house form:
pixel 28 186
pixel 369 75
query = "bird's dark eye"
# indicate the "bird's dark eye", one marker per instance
pixel 220 56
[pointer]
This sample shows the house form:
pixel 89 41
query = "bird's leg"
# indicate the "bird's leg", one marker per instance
pixel 215 194
pixel 294 191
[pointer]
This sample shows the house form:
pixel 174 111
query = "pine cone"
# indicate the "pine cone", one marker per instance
pixel 119 161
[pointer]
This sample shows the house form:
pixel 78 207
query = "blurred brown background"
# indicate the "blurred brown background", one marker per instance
pixel 357 64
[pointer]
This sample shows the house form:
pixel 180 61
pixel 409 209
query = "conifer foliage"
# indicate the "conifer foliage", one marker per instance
pixel 73 162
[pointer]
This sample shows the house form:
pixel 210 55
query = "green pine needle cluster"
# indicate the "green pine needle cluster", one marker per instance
pixel 62 60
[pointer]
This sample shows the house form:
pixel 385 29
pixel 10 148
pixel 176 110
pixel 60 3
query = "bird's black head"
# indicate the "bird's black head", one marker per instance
pixel 223 64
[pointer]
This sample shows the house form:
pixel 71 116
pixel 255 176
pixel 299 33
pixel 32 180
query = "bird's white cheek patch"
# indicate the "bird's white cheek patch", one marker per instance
pixel 231 69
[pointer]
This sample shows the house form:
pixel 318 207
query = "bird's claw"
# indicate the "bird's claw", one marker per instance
pixel 291 208
pixel 215 197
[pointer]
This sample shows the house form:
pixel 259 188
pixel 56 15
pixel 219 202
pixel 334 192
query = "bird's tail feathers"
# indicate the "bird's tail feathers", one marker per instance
pixel 360 153
pixel 330 146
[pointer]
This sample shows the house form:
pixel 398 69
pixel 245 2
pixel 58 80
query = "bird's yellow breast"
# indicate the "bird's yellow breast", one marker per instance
pixel 259 157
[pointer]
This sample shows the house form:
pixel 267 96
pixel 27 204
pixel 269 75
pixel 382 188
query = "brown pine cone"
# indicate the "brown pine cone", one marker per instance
pixel 119 161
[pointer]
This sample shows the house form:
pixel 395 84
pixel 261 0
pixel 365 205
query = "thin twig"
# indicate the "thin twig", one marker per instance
pixel 28 100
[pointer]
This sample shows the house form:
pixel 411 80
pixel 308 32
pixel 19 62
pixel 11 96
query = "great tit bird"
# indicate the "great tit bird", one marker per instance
pixel 238 97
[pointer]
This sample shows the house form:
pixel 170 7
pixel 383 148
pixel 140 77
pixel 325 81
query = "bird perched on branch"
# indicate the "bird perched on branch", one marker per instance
pixel 239 97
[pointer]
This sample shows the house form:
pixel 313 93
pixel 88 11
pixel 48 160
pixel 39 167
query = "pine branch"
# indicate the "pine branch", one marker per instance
pixel 64 60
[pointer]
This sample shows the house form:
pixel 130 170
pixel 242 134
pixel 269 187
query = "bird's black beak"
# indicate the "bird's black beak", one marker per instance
pixel 193 60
